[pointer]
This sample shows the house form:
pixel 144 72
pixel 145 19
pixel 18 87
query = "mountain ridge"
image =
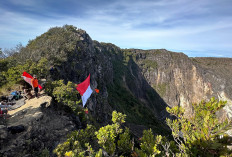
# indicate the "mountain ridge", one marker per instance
pixel 157 71
pixel 138 83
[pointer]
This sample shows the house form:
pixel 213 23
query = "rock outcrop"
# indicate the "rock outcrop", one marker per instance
pixel 35 128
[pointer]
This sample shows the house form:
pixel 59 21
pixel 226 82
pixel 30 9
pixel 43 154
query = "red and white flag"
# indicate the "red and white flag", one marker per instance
pixel 27 77
pixel 85 90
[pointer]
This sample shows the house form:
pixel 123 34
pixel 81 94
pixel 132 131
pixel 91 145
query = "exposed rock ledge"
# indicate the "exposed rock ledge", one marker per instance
pixel 35 128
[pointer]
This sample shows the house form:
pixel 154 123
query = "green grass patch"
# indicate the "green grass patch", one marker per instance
pixel 161 88
pixel 149 64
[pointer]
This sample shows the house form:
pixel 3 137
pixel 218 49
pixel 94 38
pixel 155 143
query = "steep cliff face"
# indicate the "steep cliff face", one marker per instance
pixel 180 80
pixel 221 69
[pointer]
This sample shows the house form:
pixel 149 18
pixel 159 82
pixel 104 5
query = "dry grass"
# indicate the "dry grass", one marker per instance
pixel 7 89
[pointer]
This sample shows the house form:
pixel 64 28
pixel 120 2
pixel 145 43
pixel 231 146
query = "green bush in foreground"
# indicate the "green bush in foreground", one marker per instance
pixel 77 143
pixel 149 144
pixel 107 135
pixel 199 135
pixel 196 136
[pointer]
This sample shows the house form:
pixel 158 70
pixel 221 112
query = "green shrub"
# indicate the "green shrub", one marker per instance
pixel 196 136
pixel 124 143
pixel 66 94
pixel 107 135
pixel 110 137
pixel 118 118
pixel 77 143
pixel 199 135
pixel 149 144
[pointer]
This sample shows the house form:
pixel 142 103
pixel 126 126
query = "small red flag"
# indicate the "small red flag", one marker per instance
pixel 97 90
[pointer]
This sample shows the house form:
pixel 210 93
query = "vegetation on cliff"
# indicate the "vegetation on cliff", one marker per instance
pixel 11 72
pixel 200 135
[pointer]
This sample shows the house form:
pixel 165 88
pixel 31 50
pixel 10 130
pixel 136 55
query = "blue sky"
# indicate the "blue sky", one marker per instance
pixel 194 27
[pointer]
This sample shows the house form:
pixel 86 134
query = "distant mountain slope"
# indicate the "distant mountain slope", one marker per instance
pixel 181 80
pixel 220 67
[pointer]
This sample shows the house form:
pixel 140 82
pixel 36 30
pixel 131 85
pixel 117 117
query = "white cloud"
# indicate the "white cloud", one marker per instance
pixel 177 25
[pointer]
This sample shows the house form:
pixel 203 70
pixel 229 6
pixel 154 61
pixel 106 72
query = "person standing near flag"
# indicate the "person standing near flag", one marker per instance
pixel 34 83
pixel 27 77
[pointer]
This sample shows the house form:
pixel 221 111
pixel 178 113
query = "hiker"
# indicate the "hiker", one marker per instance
pixel 4 107
pixel 34 83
